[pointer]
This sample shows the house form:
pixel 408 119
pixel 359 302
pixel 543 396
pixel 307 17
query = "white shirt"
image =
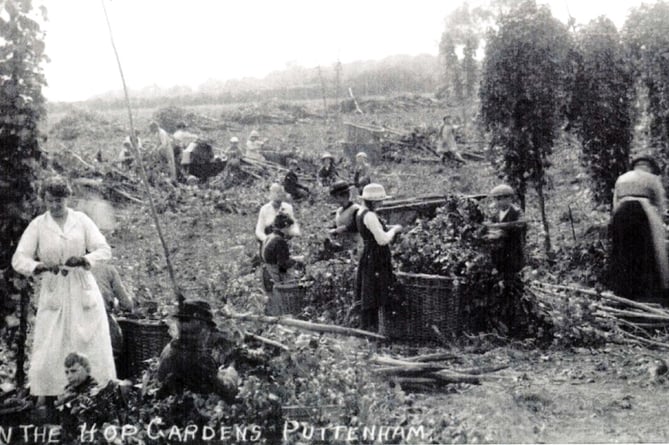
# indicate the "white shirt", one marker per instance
pixel 371 221
pixel 503 213
pixel 184 138
pixel 266 217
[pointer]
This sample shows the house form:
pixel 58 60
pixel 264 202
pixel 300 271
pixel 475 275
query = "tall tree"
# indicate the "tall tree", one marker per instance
pixel 646 38
pixel 21 108
pixel 601 113
pixel 524 88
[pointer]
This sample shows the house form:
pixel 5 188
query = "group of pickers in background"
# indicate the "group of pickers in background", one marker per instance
pixel 358 230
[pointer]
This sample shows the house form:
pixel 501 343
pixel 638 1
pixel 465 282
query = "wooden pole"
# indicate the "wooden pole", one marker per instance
pixel 142 170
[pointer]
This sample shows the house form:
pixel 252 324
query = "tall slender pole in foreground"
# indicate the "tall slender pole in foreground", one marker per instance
pixel 142 170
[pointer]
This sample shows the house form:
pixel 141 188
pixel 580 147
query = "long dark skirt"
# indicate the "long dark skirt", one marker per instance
pixel 373 280
pixel 634 270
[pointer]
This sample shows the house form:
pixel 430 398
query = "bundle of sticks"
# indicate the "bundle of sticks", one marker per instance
pixel 615 318
pixel 433 371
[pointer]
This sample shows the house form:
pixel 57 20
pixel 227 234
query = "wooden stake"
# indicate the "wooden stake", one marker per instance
pixel 142 170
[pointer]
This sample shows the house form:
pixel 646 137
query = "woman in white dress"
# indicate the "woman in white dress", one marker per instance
pixel 60 246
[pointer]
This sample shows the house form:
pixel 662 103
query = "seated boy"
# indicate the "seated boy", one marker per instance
pixel 276 253
pixel 291 183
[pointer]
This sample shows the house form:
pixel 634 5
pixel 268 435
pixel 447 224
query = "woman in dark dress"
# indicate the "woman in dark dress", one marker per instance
pixel 375 271
pixel 639 267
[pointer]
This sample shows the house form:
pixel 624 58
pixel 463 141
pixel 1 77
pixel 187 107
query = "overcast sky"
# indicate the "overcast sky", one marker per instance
pixel 179 42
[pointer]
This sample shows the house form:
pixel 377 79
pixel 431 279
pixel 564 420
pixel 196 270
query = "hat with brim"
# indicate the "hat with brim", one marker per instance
pixel 339 188
pixel 655 167
pixel 327 155
pixel 501 190
pixel 361 154
pixel 195 310
pixel 374 192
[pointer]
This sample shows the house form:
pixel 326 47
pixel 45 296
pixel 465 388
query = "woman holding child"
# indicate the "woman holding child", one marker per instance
pixel 60 246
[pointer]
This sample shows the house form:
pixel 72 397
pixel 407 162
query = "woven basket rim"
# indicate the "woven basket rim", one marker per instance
pixel 423 275
pixel 292 284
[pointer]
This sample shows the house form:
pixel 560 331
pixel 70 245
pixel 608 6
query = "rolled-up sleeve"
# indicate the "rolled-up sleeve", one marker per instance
pixel 23 260
pixel 374 225
pixel 96 244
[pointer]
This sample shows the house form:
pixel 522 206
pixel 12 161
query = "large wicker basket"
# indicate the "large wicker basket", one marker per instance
pixel 287 298
pixel 423 306
pixel 142 340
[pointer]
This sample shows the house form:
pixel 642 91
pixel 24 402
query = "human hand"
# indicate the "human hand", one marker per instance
pixel 228 376
pixel 77 261
pixel 41 268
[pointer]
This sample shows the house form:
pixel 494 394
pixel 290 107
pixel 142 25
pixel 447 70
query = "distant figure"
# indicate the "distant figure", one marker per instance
pixel 165 148
pixel 183 144
pixel 234 152
pixel 508 255
pixel 125 157
pixel 292 185
pixel 269 211
pixel 639 267
pixel 254 145
pixel 344 230
pixel 362 174
pixel 448 147
pixel 114 294
pixel 506 232
pixel 328 172
pixel 276 253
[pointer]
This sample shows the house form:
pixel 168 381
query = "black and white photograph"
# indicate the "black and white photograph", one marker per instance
pixel 314 222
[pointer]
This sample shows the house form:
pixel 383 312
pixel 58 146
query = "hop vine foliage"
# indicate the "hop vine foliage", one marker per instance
pixel 647 43
pixel 21 108
pixel 600 112
pixel 525 85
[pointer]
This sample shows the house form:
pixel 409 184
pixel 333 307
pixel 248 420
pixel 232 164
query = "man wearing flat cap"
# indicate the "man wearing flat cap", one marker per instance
pixel 508 230
pixel 186 362
pixel 638 266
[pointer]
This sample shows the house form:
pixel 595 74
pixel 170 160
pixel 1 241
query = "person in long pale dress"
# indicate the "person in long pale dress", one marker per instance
pixel 61 245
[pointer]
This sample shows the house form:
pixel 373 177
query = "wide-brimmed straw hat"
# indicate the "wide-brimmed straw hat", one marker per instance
pixel 361 154
pixel 196 310
pixel 645 157
pixel 374 192
pixel 327 155
pixel 502 190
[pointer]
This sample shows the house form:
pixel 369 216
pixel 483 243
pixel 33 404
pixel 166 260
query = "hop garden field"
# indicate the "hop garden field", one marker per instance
pixel 569 388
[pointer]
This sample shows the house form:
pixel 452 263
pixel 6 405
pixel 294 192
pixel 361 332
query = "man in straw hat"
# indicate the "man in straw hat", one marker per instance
pixel 186 362
pixel 638 266
pixel 375 272
pixel 362 174
pixel 327 173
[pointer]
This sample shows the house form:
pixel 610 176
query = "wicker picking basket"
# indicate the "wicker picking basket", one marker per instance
pixel 287 298
pixel 142 340
pixel 422 303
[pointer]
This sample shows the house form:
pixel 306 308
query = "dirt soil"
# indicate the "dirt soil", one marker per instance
pixel 610 395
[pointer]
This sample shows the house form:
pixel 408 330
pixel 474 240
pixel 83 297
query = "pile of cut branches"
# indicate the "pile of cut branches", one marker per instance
pixel 582 316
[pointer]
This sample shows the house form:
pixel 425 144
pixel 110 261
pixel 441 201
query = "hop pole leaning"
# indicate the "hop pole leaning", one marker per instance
pixel 142 171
